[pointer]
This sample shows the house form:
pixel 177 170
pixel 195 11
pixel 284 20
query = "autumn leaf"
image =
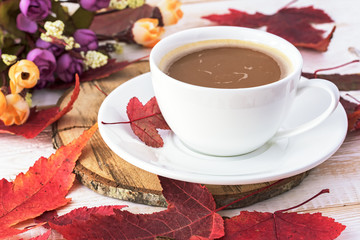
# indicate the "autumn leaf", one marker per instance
pixel 281 225
pixel 353 113
pixel 102 72
pixel 345 82
pixel 45 218
pixel 103 24
pixel 292 24
pixel 42 188
pixel 41 119
pixel 68 222
pixel 190 212
pixel 145 119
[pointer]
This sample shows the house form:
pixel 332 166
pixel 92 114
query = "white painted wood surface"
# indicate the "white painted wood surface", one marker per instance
pixel 340 173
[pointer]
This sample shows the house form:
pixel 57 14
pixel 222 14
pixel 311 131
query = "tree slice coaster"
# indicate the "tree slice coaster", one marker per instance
pixel 106 173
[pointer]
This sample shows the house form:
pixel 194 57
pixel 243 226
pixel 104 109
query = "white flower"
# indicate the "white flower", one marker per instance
pixel 135 3
pixel 118 4
pixel 53 30
pixel 8 59
pixel 94 59
pixel 170 11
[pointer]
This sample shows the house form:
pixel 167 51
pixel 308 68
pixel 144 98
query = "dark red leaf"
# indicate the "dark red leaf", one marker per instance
pixel 102 72
pixel 46 217
pixel 103 24
pixel 280 225
pixel 39 120
pixel 83 214
pixel 293 24
pixel 190 214
pixel 145 119
pixel 353 113
pixel 345 82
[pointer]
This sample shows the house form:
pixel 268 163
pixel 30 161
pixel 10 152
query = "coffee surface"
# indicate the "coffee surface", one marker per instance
pixel 225 67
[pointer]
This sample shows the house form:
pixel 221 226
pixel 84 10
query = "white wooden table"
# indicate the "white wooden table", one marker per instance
pixel 340 173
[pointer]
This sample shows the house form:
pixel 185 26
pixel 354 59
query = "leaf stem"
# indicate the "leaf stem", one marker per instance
pixel 249 195
pixel 290 3
pixel 352 97
pixel 131 121
pixel 332 68
pixel 100 90
pixel 107 12
pixel 321 192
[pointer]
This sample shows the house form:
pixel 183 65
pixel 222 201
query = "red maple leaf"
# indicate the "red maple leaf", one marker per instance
pixel 145 119
pixel 105 29
pixel 102 72
pixel 39 120
pixel 292 24
pixel 345 82
pixel 353 113
pixel 42 188
pixel 190 214
pixel 282 225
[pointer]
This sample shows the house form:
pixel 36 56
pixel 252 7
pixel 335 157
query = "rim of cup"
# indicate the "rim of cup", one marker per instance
pixel 291 52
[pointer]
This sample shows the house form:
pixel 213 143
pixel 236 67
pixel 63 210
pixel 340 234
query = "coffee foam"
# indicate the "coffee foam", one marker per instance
pixel 282 60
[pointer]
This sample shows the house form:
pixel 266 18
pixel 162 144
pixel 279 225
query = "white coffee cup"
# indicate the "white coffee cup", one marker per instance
pixel 226 122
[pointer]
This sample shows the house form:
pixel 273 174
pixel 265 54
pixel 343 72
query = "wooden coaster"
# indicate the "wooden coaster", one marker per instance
pixel 106 173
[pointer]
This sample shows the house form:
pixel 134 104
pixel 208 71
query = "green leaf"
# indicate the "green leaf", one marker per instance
pixel 3 67
pixel 9 9
pixel 62 14
pixel 82 18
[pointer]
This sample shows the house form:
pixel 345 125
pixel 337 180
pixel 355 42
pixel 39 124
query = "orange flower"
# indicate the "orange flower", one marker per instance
pixel 17 111
pixel 3 103
pixel 147 32
pixel 23 74
pixel 170 11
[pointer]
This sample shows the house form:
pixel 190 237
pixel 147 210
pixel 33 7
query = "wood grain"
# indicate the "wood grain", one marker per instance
pixel 106 173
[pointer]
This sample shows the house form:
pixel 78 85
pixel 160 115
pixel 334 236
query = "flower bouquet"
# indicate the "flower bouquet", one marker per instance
pixel 45 43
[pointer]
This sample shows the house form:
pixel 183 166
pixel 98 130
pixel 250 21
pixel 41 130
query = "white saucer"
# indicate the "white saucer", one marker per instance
pixel 273 161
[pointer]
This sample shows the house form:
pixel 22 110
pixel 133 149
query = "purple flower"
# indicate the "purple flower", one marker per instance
pixel 25 24
pixel 56 49
pixel 68 66
pixel 87 40
pixel 93 5
pixel 46 62
pixel 35 10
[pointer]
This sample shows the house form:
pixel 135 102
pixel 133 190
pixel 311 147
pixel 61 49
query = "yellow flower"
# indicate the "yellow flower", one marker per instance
pixel 23 74
pixel 147 32
pixel 17 110
pixel 170 11
pixel 3 103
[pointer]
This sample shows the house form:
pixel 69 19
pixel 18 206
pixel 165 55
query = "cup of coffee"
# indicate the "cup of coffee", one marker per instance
pixel 225 91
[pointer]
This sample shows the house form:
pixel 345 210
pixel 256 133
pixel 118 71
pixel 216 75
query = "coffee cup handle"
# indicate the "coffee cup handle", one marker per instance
pixel 331 89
